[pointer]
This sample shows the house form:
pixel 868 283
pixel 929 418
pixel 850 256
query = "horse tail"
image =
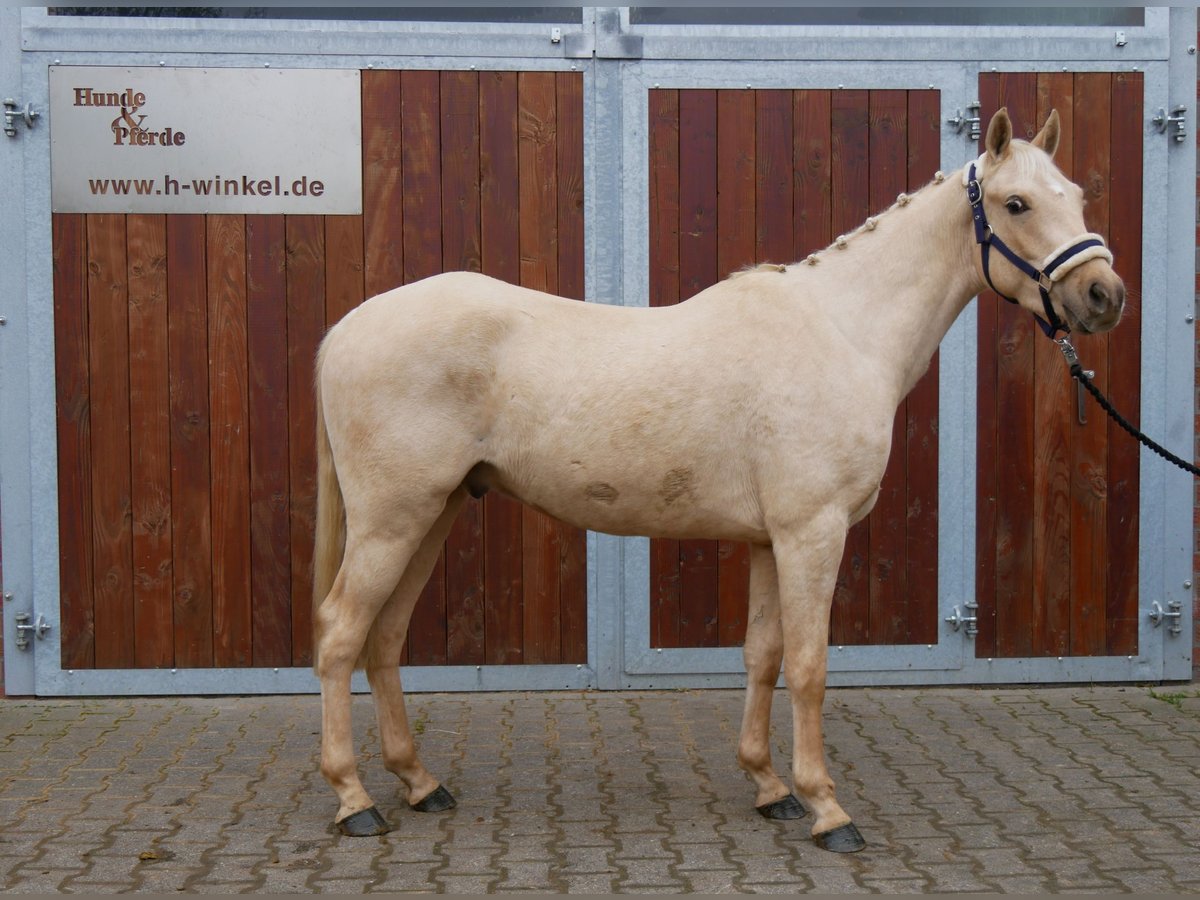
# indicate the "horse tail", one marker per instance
pixel 330 538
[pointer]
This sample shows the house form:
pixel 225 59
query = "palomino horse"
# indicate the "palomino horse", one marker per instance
pixel 760 410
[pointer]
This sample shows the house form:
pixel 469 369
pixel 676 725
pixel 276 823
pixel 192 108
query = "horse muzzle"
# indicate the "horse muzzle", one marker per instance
pixel 1095 298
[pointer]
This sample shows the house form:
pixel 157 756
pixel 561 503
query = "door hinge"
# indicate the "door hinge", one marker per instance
pixel 22 623
pixel 1174 612
pixel 13 113
pixel 969 122
pixel 965 618
pixel 1174 124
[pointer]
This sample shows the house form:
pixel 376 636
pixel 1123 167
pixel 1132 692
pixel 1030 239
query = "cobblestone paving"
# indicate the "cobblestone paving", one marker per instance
pixel 1018 790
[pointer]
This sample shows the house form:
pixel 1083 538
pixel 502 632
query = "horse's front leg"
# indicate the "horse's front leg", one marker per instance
pixel 807 559
pixel 763 654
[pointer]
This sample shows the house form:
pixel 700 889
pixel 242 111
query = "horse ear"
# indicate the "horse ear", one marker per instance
pixel 1048 137
pixel 999 134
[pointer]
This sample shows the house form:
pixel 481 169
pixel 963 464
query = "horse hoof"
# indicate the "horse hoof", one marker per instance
pixel 364 823
pixel 785 808
pixel 843 839
pixel 437 801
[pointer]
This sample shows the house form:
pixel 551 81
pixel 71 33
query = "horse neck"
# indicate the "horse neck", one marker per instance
pixel 898 286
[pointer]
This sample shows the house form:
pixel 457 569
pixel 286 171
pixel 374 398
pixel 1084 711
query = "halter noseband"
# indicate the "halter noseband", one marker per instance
pixel 1056 266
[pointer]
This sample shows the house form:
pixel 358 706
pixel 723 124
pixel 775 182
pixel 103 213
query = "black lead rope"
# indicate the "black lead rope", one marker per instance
pixel 1084 377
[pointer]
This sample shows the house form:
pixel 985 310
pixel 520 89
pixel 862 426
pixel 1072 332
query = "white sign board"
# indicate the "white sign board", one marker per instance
pixel 192 140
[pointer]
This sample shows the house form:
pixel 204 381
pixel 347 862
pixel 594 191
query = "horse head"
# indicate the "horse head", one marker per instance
pixel 1033 214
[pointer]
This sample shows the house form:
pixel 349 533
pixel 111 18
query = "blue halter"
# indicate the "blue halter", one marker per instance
pixel 986 238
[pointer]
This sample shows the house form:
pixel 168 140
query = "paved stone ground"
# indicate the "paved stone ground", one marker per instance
pixel 1026 790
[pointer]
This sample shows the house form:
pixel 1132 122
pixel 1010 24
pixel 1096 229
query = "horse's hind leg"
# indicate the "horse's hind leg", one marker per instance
pixel 763 654
pixel 374 561
pixel 383 670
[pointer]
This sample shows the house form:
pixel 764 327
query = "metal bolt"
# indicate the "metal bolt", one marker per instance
pixel 1119 39
pixel 1189 318
pixel 1187 586
pixel 1191 49
pixel 8 596
pixel 266 65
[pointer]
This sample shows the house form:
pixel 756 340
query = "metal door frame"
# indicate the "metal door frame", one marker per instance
pixel 831 57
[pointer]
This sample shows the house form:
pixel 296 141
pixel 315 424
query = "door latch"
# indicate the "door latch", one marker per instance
pixel 13 113
pixel 965 618
pixel 1173 612
pixel 970 121
pixel 1174 124
pixel 24 627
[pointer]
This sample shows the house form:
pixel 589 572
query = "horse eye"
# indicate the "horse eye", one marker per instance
pixel 1015 205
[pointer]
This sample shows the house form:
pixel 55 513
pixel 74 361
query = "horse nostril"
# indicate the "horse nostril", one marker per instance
pixel 1099 296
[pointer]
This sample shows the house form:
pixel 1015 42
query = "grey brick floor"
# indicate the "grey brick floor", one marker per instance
pixel 1080 789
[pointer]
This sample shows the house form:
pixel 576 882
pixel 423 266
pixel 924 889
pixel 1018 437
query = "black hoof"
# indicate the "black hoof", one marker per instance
pixel 844 839
pixel 785 808
pixel 364 823
pixel 437 801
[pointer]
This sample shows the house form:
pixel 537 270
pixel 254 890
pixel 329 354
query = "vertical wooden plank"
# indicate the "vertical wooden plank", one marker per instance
pixel 986 479
pixel 1124 359
pixel 112 536
pixel 191 506
pixel 740 243
pixel 850 205
pixel 149 415
pixel 344 265
pixel 500 258
pixel 422 231
pixel 461 252
pixel 888 583
pixel 1016 338
pixel 383 215
pixel 538 211
pixel 664 291
pixel 697 271
pixel 774 166
pixel 1054 411
pixel 230 449
pixel 270 500
pixel 812 152
pixel 572 562
pixel 921 550
pixel 305 267
pixel 73 396
pixel 1089 487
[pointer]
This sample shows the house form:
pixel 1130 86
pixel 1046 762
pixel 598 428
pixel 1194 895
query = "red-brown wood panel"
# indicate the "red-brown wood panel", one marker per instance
pixel 1054 411
pixel 343 266
pixel 921 620
pixel 503 551
pixel 112 534
pixel 73 390
pixel 267 354
pixel 786 171
pixel 1089 482
pixel 305 254
pixel 150 441
pixel 1124 359
pixel 229 440
pixel 1057 525
pixel 383 214
pixel 191 488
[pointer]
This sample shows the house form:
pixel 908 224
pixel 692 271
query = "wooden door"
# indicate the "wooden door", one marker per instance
pixel 184 354
pixel 746 176
pixel 1057 496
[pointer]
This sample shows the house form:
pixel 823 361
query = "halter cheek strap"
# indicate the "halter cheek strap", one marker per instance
pixel 1053 269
